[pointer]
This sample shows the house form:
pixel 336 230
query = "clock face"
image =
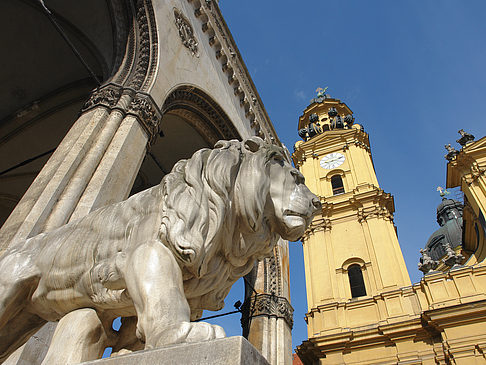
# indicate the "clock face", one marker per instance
pixel 332 160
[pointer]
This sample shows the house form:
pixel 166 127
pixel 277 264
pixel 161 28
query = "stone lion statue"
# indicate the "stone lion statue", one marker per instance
pixel 163 255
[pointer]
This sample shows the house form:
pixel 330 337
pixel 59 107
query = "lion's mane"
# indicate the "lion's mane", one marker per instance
pixel 214 204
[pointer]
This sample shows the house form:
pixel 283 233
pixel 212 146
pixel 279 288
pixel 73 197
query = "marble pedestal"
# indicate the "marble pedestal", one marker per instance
pixel 226 351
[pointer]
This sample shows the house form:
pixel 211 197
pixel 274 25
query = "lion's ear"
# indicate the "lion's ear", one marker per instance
pixel 253 144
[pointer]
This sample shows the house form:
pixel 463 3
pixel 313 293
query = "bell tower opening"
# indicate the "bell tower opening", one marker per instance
pixel 356 282
pixel 337 185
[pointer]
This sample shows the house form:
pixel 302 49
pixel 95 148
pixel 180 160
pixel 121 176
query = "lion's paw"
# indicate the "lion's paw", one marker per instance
pixel 202 331
pixel 192 332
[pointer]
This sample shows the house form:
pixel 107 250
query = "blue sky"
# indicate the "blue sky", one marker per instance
pixel 411 71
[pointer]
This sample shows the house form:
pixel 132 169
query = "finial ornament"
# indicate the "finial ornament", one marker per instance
pixel 451 152
pixel 466 138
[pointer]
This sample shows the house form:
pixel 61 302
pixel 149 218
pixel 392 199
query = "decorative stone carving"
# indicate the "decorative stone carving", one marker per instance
pixel 145 110
pixel 106 96
pixel 220 39
pixel 138 104
pixel 451 152
pixel 465 139
pixel 452 258
pixel 163 255
pixel 137 35
pixel 272 275
pixel 312 129
pixel 146 61
pixel 186 32
pixel 427 264
pixel 269 305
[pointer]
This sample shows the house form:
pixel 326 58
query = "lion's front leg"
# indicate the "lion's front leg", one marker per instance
pixel 154 281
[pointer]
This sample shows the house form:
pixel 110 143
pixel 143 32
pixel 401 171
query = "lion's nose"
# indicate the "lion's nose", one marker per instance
pixel 316 203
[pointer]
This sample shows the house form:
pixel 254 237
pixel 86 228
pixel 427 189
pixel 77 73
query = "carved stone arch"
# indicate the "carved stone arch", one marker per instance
pixel 135 44
pixel 202 112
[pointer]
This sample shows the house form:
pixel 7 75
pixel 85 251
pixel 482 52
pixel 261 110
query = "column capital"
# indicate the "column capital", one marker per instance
pixel 269 305
pixel 137 103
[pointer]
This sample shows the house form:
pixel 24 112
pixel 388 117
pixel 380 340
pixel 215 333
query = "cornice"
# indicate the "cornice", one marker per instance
pixel 468 164
pixel 317 225
pixel 232 65
pixel 465 168
pixel 451 316
pixel 380 334
pixel 330 141
pixel 365 201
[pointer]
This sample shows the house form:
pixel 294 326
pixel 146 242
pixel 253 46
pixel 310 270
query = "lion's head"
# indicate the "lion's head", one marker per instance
pixel 236 199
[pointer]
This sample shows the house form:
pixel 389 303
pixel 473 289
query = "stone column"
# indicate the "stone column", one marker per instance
pixel 95 165
pixel 267 314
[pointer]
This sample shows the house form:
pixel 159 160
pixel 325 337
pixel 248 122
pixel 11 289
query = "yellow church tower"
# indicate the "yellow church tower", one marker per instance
pixel 353 247
pixel 351 251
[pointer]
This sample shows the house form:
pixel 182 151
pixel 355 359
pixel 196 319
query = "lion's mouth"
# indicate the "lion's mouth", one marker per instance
pixel 288 212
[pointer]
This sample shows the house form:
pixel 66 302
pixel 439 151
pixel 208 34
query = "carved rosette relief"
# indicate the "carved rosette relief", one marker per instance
pixel 186 32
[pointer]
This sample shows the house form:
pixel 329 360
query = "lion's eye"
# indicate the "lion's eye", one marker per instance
pixel 278 158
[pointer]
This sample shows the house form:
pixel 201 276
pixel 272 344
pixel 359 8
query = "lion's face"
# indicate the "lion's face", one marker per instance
pixel 271 194
pixel 293 204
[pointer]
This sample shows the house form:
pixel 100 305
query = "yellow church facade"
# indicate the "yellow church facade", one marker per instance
pixel 362 307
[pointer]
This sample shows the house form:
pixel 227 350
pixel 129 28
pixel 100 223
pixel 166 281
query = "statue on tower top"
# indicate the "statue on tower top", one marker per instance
pixel 321 95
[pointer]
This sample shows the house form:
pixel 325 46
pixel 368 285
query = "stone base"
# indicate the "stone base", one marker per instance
pixel 226 351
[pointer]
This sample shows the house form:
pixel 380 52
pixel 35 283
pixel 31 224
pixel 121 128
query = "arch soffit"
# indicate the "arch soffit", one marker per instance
pixel 201 112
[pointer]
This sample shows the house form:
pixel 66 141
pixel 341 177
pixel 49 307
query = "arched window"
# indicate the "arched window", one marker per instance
pixel 356 281
pixel 337 185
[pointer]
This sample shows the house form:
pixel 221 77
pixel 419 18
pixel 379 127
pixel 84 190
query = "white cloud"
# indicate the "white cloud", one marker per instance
pixel 300 95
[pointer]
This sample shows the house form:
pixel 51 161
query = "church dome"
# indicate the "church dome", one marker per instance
pixel 449 217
